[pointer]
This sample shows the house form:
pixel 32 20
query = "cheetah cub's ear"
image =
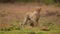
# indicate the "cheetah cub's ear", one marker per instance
pixel 38 9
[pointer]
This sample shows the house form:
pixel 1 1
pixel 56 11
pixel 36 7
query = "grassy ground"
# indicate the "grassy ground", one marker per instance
pixel 13 14
pixel 29 32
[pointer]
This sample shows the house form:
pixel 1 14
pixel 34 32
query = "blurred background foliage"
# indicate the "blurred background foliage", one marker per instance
pixel 38 1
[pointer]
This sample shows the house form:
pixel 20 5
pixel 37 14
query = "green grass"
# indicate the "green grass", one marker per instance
pixel 16 29
pixel 29 32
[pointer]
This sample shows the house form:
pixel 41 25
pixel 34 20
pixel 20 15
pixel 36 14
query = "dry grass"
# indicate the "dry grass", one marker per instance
pixel 16 12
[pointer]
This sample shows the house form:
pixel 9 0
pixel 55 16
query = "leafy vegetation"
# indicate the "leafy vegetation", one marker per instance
pixel 43 1
pixel 47 1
